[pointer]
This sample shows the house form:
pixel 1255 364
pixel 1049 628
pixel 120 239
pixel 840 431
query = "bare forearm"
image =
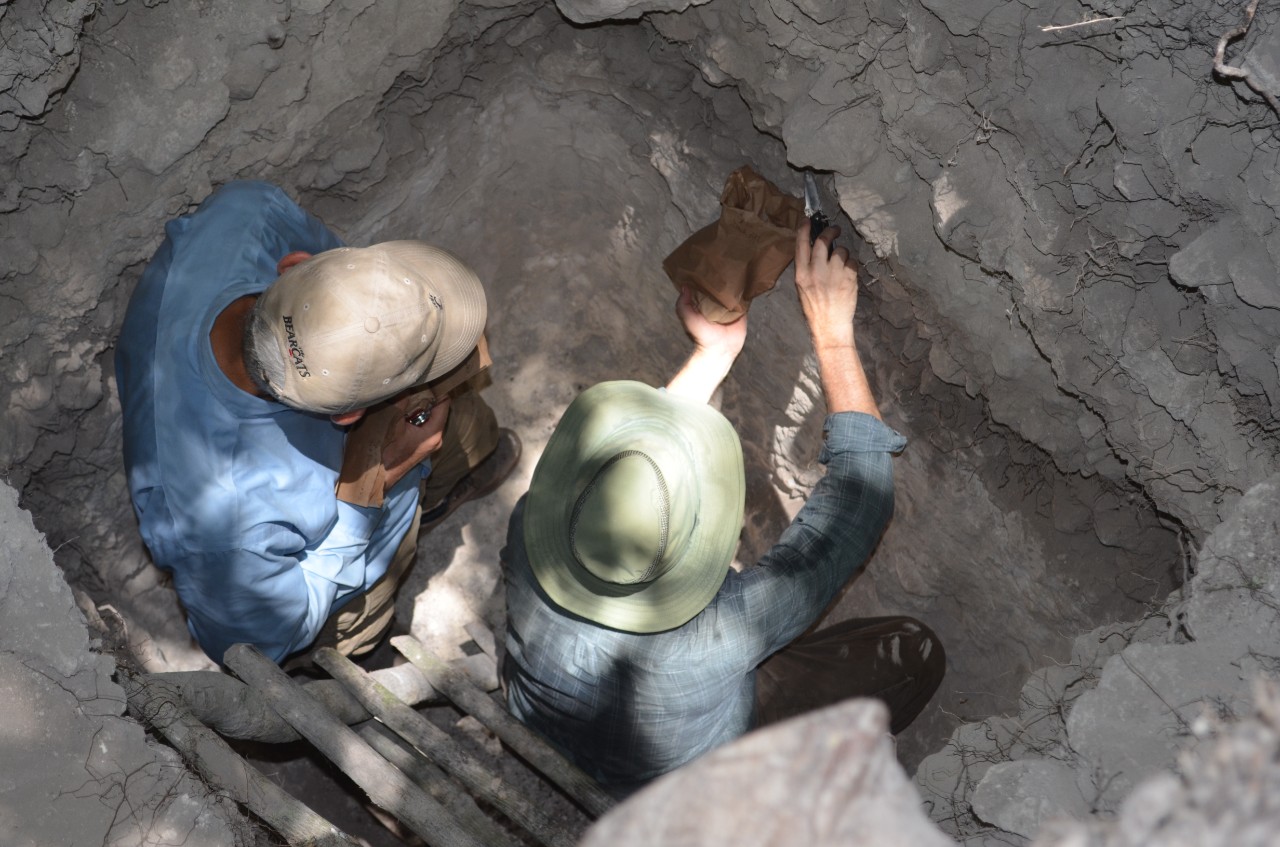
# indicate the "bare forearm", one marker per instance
pixel 844 382
pixel 715 348
pixel 702 374
pixel 827 285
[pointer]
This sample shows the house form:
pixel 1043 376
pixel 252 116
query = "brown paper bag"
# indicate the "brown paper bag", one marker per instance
pixel 742 254
pixel 362 478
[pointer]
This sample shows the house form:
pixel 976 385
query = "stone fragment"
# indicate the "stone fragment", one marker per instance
pixel 826 779
pixel 1262 60
pixel 1237 588
pixel 1140 715
pixel 1019 797
pixel 1223 793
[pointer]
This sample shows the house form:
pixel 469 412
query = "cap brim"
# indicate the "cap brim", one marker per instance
pixel 602 421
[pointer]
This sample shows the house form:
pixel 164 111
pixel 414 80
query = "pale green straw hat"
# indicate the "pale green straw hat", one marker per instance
pixel 635 507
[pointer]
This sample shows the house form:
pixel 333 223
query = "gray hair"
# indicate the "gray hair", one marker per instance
pixel 263 357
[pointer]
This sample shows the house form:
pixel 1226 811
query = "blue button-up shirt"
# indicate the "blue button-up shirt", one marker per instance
pixel 628 707
pixel 235 494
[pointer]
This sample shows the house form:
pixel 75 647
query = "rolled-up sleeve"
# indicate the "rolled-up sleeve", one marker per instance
pixel 829 540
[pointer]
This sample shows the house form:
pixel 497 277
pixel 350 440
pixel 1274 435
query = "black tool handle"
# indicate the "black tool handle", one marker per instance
pixel 817 225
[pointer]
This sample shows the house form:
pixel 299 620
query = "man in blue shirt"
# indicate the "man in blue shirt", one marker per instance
pixel 631 644
pixel 253 339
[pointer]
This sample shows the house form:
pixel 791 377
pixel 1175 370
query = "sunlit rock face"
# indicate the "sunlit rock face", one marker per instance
pixel 1066 222
pixel 74 769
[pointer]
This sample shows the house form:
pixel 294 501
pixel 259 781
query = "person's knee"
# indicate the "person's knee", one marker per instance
pixel 475 428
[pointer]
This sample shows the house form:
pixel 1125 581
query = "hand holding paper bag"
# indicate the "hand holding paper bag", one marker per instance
pixel 741 255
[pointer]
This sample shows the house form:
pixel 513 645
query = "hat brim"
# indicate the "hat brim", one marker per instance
pixel 463 318
pixel 604 420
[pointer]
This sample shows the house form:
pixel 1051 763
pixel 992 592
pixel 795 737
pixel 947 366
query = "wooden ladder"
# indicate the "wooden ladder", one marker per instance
pixel 412 769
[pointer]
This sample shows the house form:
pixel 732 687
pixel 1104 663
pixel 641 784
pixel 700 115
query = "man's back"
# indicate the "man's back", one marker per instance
pixel 190 435
pixel 627 706
pixel 632 706
pixel 230 489
pixel 600 661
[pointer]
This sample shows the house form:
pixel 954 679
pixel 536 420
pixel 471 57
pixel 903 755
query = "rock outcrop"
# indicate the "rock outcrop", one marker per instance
pixel 73 768
pixel 1134 701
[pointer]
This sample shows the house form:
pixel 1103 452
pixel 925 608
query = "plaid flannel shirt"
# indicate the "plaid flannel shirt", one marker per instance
pixel 628 707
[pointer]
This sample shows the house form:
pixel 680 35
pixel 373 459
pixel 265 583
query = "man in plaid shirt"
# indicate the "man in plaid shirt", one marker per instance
pixel 632 645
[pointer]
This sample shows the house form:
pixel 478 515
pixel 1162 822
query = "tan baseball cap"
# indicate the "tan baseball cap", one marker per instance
pixel 358 325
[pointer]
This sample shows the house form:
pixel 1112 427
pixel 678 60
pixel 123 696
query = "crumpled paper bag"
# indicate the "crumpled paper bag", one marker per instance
pixel 742 254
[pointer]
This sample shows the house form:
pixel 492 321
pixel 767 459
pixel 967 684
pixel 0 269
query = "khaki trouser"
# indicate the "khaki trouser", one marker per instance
pixel 469 437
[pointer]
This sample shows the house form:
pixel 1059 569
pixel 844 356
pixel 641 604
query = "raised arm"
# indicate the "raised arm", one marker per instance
pixel 827 285
pixel 716 347
pixel 845 514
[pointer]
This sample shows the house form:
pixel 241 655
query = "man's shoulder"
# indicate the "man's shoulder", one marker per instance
pixel 248 199
pixel 248 225
pixel 249 189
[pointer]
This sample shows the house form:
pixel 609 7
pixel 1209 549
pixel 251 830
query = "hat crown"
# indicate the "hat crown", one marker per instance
pixel 361 324
pixel 353 293
pixel 620 526
pixel 643 544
